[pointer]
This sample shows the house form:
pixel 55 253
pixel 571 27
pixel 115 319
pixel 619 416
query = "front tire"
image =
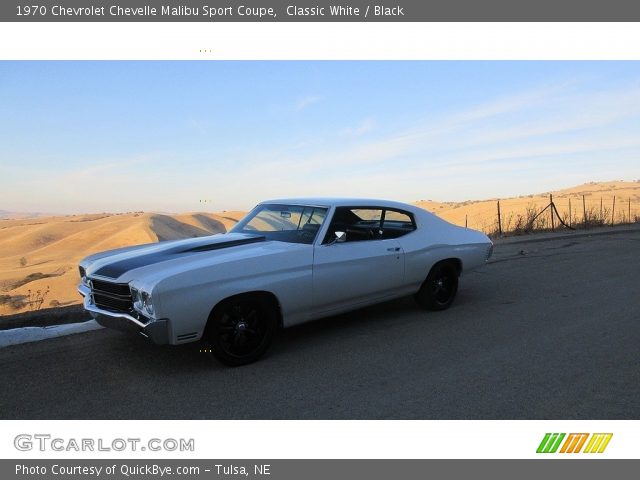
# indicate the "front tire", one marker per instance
pixel 439 289
pixel 241 329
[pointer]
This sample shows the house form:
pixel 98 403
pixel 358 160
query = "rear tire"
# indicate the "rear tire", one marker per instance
pixel 241 329
pixel 439 289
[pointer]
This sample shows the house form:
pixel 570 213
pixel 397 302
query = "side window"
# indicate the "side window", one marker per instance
pixel 358 223
pixel 369 215
pixel 397 223
pixel 370 223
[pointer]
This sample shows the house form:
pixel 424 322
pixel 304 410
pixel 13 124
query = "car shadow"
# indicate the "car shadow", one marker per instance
pixel 193 357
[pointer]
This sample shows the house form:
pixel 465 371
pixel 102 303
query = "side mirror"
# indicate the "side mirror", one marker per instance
pixel 339 237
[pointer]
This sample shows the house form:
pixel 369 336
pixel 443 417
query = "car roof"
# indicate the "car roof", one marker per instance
pixel 342 202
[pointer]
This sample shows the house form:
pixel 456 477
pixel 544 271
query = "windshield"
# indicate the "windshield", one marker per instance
pixel 286 223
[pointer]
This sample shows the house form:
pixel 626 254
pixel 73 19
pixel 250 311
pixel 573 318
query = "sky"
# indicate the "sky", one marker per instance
pixel 176 136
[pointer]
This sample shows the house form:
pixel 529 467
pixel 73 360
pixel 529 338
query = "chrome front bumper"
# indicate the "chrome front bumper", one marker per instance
pixel 156 330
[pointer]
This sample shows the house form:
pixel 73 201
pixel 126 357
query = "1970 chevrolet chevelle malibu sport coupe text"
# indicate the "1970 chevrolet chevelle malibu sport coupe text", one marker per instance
pixel 286 262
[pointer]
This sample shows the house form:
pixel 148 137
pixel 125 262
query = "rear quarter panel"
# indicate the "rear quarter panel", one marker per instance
pixel 435 240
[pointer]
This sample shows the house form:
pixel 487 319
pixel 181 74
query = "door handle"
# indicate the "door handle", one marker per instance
pixel 393 249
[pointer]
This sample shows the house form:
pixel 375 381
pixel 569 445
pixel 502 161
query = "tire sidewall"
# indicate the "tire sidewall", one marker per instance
pixel 212 335
pixel 425 296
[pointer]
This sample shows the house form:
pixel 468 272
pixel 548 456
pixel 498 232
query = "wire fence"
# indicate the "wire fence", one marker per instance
pixel 549 214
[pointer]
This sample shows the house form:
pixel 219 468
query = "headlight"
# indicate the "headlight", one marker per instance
pixel 147 303
pixel 135 297
pixel 142 301
pixel 83 277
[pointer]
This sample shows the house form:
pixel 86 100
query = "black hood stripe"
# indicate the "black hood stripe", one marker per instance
pixel 115 269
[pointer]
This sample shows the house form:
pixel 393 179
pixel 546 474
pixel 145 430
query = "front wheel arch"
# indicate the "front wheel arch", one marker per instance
pixel 267 296
pixel 257 318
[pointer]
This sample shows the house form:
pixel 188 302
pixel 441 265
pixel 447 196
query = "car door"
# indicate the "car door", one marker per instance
pixel 355 273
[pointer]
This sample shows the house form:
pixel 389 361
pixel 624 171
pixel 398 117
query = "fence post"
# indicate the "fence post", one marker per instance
pixel 601 217
pixel 629 210
pixel 584 211
pixel 613 210
pixel 465 220
pixel 553 227
pixel 569 211
pixel 499 220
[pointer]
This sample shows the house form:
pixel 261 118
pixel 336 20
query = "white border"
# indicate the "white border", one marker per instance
pixel 366 439
pixel 324 41
pixel 320 41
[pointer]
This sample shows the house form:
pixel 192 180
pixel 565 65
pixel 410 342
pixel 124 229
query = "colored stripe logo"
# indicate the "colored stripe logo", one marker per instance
pixel 574 442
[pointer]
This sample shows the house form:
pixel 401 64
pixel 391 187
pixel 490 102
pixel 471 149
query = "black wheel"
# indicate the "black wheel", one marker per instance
pixel 241 329
pixel 439 289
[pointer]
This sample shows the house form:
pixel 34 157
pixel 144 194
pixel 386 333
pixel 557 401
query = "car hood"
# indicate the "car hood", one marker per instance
pixel 116 263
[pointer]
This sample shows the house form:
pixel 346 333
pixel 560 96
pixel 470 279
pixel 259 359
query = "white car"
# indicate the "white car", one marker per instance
pixel 286 262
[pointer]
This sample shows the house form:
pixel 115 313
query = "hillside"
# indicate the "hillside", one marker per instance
pixel 482 214
pixel 41 254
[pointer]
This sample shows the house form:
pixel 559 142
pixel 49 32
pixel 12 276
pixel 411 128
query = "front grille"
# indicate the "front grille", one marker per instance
pixel 112 303
pixel 120 289
pixel 111 296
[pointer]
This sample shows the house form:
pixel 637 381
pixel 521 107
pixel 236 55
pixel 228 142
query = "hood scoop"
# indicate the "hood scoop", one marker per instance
pixel 117 268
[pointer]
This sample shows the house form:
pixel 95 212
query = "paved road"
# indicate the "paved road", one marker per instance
pixel 548 330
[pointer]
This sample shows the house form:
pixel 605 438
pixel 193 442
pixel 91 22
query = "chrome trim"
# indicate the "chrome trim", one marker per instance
pixel 102 277
pixel 91 307
pixel 294 204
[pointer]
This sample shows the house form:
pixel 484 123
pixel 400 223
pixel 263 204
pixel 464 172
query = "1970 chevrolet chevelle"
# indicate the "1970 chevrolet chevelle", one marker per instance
pixel 286 262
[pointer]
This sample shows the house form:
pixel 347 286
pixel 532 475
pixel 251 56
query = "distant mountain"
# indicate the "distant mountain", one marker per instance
pixel 5 214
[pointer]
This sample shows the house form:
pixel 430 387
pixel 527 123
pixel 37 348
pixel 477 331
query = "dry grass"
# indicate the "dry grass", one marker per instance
pixel 39 257
pixel 518 213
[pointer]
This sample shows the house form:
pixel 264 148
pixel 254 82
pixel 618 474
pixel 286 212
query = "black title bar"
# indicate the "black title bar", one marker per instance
pixel 314 469
pixel 320 11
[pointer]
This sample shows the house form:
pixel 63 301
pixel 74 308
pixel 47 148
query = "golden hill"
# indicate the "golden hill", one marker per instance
pixel 42 254
pixel 482 214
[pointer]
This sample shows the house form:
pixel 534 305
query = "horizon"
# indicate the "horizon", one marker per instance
pixel 45 214
pixel 164 136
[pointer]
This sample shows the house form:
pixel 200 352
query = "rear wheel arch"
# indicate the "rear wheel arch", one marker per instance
pixel 440 286
pixel 456 262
